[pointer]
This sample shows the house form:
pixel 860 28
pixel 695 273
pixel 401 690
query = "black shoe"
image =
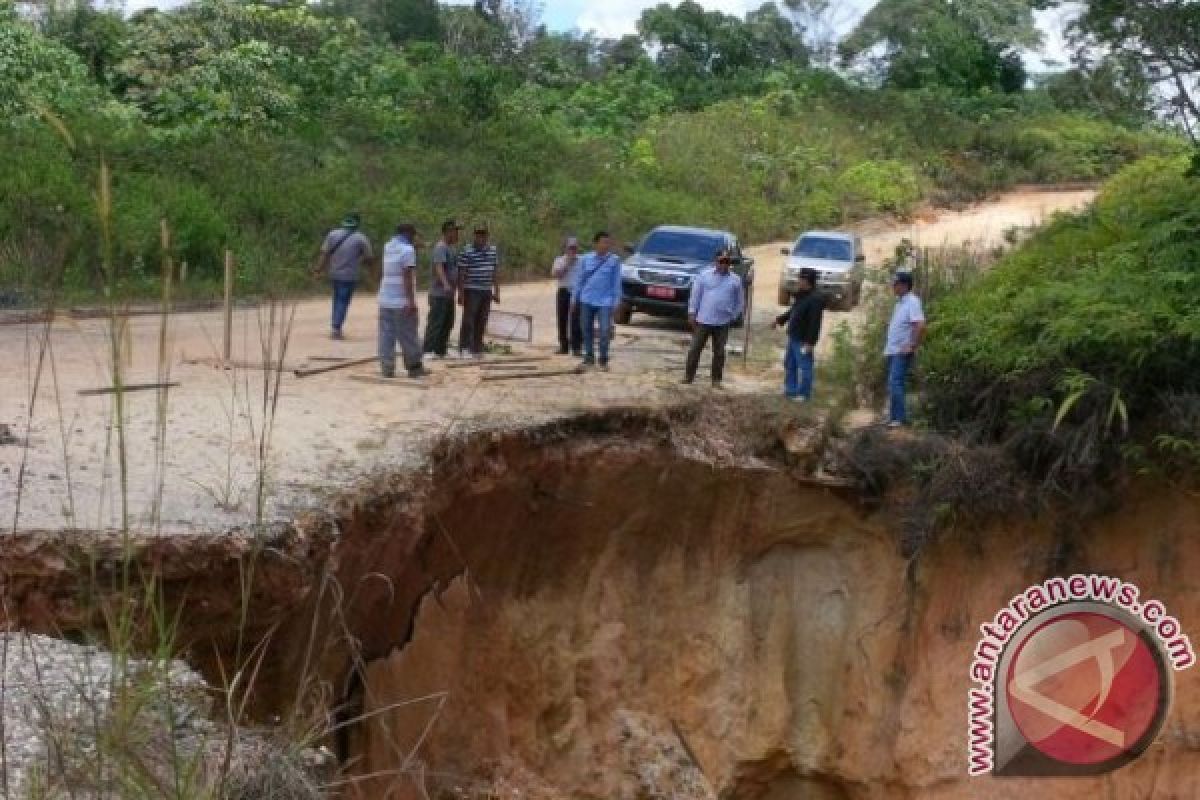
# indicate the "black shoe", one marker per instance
pixel 562 351
pixel 419 372
pixel 388 373
pixel 577 353
pixel 688 381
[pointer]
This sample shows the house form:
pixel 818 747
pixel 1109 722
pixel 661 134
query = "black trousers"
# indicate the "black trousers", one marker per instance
pixel 570 331
pixel 477 304
pixel 439 325
pixel 719 335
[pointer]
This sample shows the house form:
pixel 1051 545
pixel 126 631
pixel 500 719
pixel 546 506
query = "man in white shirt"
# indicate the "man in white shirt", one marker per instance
pixel 398 304
pixel 905 332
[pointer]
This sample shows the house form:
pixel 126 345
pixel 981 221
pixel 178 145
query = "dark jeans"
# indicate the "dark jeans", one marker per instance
pixel 797 371
pixel 898 367
pixel 398 327
pixel 719 335
pixel 342 292
pixel 477 304
pixel 439 325
pixel 591 318
pixel 570 331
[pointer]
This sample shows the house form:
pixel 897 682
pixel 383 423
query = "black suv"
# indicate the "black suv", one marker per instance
pixel 657 277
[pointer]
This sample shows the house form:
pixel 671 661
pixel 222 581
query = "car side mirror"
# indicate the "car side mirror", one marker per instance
pixel 785 251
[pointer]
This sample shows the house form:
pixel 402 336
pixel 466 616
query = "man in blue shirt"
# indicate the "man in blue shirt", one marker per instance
pixel 718 299
pixel 594 295
pixel 904 334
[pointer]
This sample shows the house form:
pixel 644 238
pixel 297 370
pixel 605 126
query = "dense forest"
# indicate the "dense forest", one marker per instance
pixel 255 126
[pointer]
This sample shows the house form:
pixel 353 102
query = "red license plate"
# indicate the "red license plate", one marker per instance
pixel 661 292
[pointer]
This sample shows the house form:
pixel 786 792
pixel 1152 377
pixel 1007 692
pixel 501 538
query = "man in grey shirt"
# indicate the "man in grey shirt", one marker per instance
pixel 344 251
pixel 443 284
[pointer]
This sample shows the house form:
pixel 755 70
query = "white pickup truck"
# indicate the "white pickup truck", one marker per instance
pixel 839 261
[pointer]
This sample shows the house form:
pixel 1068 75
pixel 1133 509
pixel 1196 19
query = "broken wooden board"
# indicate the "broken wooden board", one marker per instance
pixel 403 383
pixel 304 372
pixel 220 363
pixel 479 362
pixel 129 387
pixel 549 373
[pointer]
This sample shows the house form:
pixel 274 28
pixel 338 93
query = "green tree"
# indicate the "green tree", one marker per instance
pixel 400 21
pixel 38 73
pixel 965 45
pixel 1163 36
pixel 98 37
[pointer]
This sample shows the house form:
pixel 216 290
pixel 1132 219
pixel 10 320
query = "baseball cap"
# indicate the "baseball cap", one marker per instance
pixel 903 277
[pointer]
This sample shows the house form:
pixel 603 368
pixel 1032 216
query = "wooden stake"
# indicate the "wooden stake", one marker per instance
pixel 306 371
pixel 748 325
pixel 227 343
pixel 182 272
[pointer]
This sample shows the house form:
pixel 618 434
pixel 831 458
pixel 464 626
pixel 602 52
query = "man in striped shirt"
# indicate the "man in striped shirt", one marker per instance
pixel 478 289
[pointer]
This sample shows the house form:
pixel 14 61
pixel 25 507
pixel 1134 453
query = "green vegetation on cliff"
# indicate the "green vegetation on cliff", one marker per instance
pixel 1083 346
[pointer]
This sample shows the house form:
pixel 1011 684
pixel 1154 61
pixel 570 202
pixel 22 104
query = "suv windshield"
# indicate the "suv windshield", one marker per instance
pixel 823 248
pixel 681 245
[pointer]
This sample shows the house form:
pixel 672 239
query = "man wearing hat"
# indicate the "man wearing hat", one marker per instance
pixel 479 288
pixel 344 251
pixel 570 331
pixel 803 322
pixel 904 334
pixel 398 304
pixel 442 288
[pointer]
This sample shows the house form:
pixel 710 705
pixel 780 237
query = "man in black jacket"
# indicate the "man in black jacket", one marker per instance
pixel 803 321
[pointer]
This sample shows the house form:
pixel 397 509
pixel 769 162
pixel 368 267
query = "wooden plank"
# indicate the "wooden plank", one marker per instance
pixel 227 341
pixel 131 387
pixel 304 372
pixel 499 360
pixel 404 383
pixel 220 363
pixel 550 373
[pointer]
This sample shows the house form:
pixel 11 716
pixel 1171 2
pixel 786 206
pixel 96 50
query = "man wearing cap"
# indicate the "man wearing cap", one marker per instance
pixel 570 332
pixel 905 332
pixel 442 287
pixel 343 252
pixel 803 322
pixel 718 298
pixel 594 295
pixel 478 289
pixel 398 304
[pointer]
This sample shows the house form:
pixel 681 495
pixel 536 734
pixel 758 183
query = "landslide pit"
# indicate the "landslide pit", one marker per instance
pixel 654 605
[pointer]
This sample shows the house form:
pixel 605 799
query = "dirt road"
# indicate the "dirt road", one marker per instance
pixel 204 441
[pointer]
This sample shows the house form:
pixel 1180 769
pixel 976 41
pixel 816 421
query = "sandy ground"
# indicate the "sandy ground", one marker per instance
pixel 202 442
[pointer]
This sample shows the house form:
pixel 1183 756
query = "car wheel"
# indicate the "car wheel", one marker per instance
pixel 623 313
